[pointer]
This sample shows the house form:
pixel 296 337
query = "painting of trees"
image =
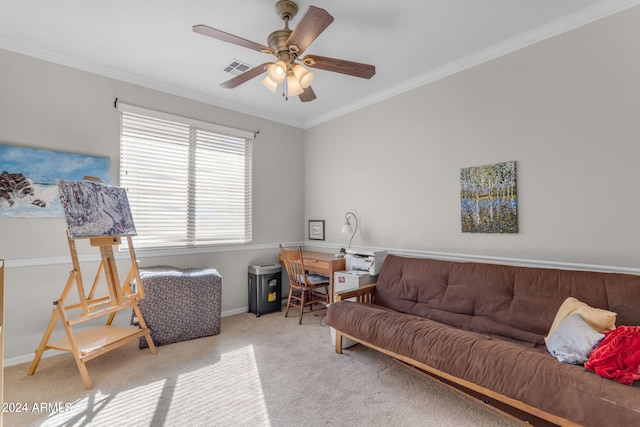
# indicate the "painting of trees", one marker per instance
pixel 488 198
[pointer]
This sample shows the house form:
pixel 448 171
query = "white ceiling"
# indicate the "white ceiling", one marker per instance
pixel 411 42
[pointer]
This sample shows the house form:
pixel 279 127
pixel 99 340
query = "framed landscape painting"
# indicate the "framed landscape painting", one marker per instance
pixel 489 198
pixel 28 179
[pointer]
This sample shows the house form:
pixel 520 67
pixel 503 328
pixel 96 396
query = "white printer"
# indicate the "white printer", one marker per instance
pixel 368 262
pixel 362 269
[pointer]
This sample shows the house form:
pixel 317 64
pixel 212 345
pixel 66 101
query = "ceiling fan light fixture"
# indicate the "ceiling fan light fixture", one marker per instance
pixel 304 76
pixel 277 72
pixel 270 84
pixel 287 46
pixel 293 86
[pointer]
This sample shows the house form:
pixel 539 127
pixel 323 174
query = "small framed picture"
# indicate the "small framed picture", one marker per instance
pixel 316 229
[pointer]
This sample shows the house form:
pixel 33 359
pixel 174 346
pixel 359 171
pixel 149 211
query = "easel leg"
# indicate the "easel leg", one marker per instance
pixel 43 344
pixel 84 374
pixel 75 348
pixel 77 277
pixel 143 325
pixel 73 276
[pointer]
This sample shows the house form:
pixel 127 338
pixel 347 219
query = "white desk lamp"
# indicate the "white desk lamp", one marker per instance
pixel 347 228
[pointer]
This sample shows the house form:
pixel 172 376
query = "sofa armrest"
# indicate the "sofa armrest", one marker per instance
pixel 362 294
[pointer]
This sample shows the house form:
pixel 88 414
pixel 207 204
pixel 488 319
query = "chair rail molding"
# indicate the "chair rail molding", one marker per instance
pixel 332 247
pixel 455 256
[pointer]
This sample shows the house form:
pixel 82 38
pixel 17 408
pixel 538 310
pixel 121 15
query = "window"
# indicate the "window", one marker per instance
pixel 188 182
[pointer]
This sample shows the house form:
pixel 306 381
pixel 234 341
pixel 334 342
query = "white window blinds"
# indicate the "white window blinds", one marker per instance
pixel 188 182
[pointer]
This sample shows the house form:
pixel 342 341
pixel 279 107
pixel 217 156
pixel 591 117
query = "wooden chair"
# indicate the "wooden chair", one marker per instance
pixel 304 288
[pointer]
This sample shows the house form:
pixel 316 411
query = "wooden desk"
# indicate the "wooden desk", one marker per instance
pixel 324 263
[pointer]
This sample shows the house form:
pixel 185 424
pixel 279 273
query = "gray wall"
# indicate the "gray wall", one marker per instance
pixel 48 106
pixel 566 110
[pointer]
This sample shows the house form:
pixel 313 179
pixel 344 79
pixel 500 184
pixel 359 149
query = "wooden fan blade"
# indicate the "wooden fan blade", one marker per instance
pixel 230 38
pixel 308 29
pixel 245 77
pixel 307 95
pixel 355 69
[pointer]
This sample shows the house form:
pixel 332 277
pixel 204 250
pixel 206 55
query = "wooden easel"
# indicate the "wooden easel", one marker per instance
pixel 94 342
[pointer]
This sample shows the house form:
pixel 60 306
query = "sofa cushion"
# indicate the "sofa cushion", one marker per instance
pixel 573 340
pixel 510 302
pixel 600 320
pixel 528 375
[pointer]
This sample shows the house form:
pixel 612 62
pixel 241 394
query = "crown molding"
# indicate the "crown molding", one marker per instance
pixel 598 11
pixel 123 76
pixel 578 19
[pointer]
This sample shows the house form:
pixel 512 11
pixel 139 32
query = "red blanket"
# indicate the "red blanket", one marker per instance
pixel 618 355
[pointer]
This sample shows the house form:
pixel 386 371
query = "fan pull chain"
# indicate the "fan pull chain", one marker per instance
pixel 285 89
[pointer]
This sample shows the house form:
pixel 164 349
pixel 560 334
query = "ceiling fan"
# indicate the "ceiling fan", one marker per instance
pixel 288 45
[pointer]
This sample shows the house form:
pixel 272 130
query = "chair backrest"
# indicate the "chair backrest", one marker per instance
pixel 294 265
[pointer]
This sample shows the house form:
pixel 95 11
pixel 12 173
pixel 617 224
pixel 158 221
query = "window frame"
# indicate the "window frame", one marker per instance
pixel 230 149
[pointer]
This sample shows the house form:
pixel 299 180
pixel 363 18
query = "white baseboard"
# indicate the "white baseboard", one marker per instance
pixel 235 311
pixel 27 358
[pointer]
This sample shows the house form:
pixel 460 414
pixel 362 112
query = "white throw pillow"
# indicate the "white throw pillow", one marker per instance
pixel 573 340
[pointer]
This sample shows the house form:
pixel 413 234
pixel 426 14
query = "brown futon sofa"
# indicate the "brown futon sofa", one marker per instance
pixel 483 327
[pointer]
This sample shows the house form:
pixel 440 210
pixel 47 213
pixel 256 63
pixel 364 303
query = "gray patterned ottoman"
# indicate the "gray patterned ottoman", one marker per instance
pixel 180 305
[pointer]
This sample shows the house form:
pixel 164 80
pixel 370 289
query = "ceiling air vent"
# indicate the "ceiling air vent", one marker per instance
pixel 236 67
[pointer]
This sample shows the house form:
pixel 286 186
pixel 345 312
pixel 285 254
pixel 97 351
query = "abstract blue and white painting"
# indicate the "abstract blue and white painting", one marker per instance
pixel 28 179
pixel 93 209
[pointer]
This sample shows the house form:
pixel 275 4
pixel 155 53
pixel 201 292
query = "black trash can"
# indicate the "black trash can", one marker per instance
pixel 265 288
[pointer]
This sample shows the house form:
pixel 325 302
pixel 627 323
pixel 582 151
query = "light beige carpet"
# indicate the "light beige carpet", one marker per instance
pixel 266 371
